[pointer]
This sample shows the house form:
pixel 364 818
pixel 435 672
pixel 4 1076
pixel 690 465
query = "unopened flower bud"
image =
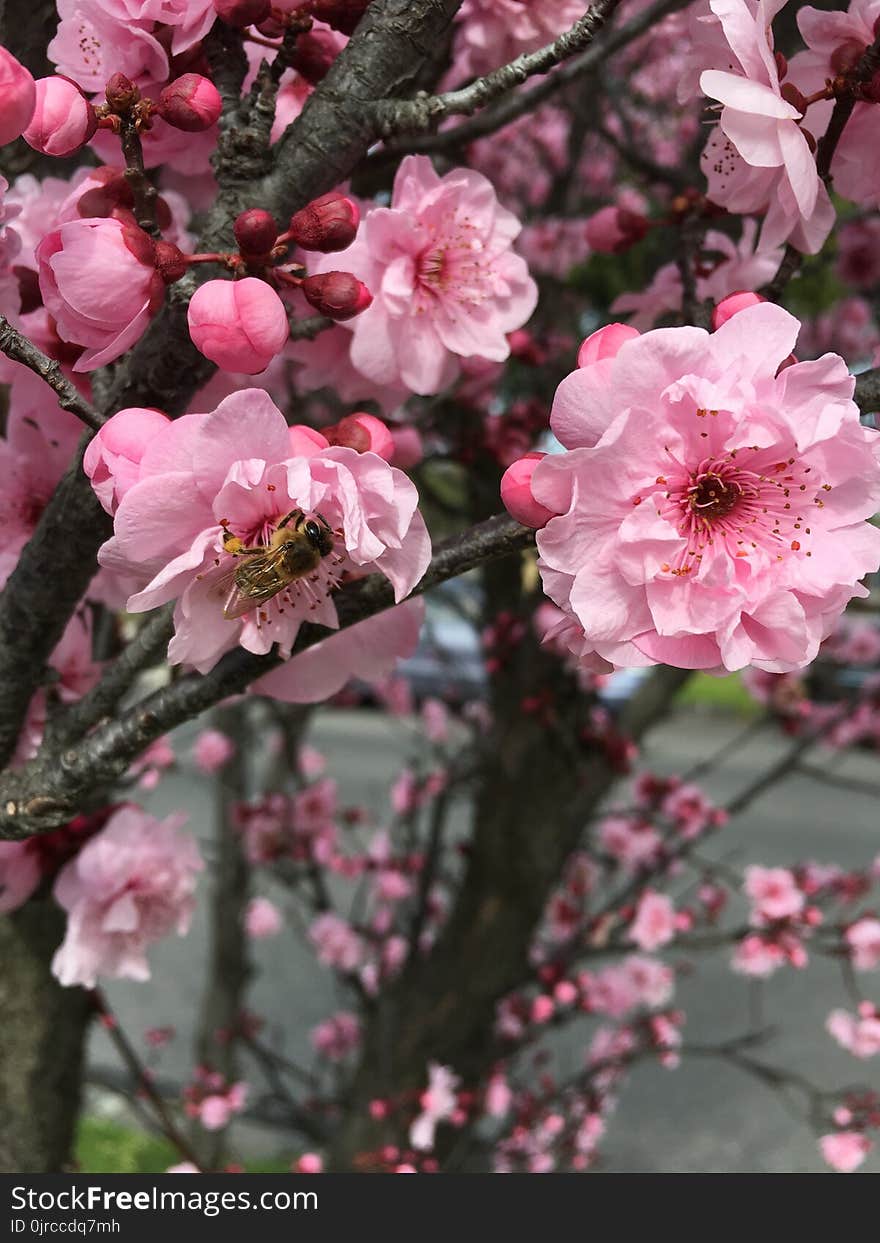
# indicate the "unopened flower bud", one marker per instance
pixel 614 229
pixel 327 224
pixel 314 53
pixel 605 343
pixel 241 13
pixel 63 119
pixel 121 93
pixel 170 262
pixel 191 103
pixel 255 231
pixel 342 15
pixel 516 493
pixel 338 295
pixel 847 55
pixel 362 432
pixel 732 304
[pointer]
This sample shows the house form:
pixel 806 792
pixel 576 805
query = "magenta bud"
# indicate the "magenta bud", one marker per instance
pixel 170 262
pixel 255 231
pixel 327 224
pixel 241 13
pixel 732 304
pixel 314 53
pixel 516 493
pixel 338 295
pixel 342 15
pixel 191 103
pixel 121 93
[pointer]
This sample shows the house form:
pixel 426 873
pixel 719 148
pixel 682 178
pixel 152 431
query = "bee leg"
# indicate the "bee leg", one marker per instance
pixel 295 515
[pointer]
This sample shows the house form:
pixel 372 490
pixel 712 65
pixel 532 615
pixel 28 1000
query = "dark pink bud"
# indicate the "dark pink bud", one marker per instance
pixel 170 262
pixel 326 224
pixel 732 304
pixel 847 55
pixel 191 103
pixel 255 231
pixel 315 52
pixel 241 13
pixel 63 119
pixel 338 295
pixel 342 15
pixel 516 493
pixel 121 93
pixel 614 229
pixel 362 432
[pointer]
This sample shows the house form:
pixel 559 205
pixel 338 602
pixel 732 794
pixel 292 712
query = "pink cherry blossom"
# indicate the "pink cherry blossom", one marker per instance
pixel 712 513
pixel 99 283
pixel 212 750
pixel 262 919
pixel 336 942
pixel 438 1103
pixel 131 884
pixel 17 97
pixel 758 156
pixel 195 487
pixel 239 325
pixel 94 40
pixel 863 939
pixel 774 893
pixel 654 924
pixel 858 1034
pixel 338 1036
pixel 845 1150
pixel 446 283
pixel 757 957
pixel 309 1163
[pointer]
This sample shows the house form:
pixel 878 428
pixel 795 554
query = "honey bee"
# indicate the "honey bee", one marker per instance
pixel 295 550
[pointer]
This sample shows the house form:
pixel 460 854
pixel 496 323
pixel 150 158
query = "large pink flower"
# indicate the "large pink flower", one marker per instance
pixel 99 283
pixel 96 39
pixel 129 886
pixel 712 513
pixel 240 470
pixel 446 283
pixel 758 157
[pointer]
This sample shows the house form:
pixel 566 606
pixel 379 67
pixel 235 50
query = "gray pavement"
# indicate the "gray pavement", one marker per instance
pixel 705 1116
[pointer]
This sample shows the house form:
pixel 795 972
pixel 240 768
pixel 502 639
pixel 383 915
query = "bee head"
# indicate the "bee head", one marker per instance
pixel 317 531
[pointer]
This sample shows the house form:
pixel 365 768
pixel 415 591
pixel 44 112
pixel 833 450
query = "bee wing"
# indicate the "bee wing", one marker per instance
pixel 254 581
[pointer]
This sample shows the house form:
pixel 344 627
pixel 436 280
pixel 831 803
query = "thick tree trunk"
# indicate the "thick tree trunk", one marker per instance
pixel 44 1028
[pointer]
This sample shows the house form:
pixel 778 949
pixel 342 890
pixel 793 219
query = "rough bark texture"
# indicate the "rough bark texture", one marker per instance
pixel 44 1028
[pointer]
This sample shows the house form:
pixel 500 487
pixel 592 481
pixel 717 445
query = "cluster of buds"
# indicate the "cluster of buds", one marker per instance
pixel 190 103
pixel 242 325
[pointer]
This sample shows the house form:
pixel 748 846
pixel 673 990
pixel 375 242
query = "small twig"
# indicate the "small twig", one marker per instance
pixel 139 1073
pixel 21 350
pixel 421 113
pixel 143 190
pixel 867 394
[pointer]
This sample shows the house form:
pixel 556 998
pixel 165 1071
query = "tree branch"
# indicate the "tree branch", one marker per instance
pixel 867 394
pixel 516 105
pixel 46 793
pixel 424 111
pixel 21 350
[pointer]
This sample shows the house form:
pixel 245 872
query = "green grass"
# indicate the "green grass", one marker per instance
pixel 105 1147
pixel 720 694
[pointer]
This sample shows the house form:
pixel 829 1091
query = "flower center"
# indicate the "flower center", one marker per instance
pixel 711 497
